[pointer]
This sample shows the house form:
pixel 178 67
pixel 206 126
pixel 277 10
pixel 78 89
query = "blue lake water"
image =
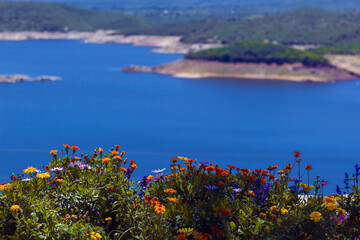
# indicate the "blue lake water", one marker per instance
pixel 248 123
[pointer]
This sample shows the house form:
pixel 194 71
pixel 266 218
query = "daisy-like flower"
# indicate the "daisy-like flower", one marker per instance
pixel 29 170
pixel 237 190
pixel 26 180
pixel 15 208
pixel 159 171
pixel 55 169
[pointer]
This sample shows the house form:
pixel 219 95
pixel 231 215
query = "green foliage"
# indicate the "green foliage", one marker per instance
pixel 353 48
pixel 258 52
pixel 38 16
pixel 91 197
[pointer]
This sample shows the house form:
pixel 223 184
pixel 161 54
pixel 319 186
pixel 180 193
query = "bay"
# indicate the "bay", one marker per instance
pixel 247 123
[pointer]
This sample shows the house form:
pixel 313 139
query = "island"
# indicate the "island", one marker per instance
pixel 253 60
pixel 24 78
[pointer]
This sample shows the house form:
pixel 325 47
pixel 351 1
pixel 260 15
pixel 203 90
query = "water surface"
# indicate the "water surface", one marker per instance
pixel 248 123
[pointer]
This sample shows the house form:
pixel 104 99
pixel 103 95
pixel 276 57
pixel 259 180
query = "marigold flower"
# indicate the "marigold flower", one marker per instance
pixel 289 166
pixel 284 211
pixel 262 215
pixel 315 216
pixel 308 167
pixel 273 208
pixel 172 200
pixel 115 152
pixel 66 146
pixel 29 170
pixel 186 231
pixel 149 178
pixel 231 166
pixel 106 160
pixel 331 206
pixel 74 148
pixel 15 208
pixel 100 150
pixel 297 154
pixel 245 170
pixel 133 166
pixel 124 169
pixel 108 219
pixel 329 199
pixel 225 212
pixel 117 147
pixel 159 208
pixel 169 190
pixel 60 180
pixel 53 152
pixel 117 158
pixel 77 158
pixel 111 188
pixel 220 184
pixel 251 193
pixel 252 178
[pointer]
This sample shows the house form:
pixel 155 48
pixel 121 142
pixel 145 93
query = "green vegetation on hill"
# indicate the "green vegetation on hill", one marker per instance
pixel 36 16
pixel 258 52
pixel 353 48
pixel 301 26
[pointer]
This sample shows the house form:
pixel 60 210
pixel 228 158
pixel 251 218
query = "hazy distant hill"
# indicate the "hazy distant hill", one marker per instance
pixel 36 16
pixel 165 11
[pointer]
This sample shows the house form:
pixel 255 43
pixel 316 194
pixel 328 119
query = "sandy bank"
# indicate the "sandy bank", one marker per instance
pixel 165 44
pixel 348 62
pixel 289 72
pixel 24 78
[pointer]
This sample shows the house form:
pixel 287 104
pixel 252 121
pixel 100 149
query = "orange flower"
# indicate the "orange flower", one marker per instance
pixel 172 200
pixel 149 178
pixel 308 167
pixel 124 169
pixel 117 158
pixel 289 166
pixel 111 188
pixel 54 153
pixel 251 193
pixel 117 147
pixel 190 160
pixel 174 159
pixel 169 190
pixel 181 236
pixel 220 184
pixel 115 152
pixel 245 170
pixel 66 146
pixel 74 148
pixel 159 208
pixel 77 158
pixel 106 160
pixel 101 150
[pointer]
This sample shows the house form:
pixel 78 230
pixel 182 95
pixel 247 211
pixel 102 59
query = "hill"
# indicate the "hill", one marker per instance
pixel 38 16
pixel 258 52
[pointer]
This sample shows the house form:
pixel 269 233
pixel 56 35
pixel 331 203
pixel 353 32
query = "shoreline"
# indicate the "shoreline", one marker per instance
pixel 211 69
pixel 165 44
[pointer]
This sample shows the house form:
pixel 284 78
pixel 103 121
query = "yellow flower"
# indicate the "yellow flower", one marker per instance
pixel 181 158
pixel 29 170
pixel 186 231
pixel 251 193
pixel 173 200
pixel 6 187
pixel 315 216
pixel 15 208
pixel 306 187
pixel 95 236
pixel 331 206
pixel 329 199
pixel 284 211
pixel 60 180
pixel 341 211
pixel 101 150
pixel 159 208
pixel 273 208
pixel 108 219
pixel 43 175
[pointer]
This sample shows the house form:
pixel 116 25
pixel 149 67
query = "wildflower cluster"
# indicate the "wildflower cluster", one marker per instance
pixel 92 197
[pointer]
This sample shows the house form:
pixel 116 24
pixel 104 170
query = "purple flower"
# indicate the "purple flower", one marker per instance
pixel 211 187
pixel 339 218
pixel 75 164
pixel 87 167
pixel 324 182
pixel 204 163
pixel 157 178
pixel 55 169
pixel 159 171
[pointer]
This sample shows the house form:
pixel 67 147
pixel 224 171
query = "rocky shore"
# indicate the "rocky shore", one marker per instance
pixel 24 78
pixel 164 44
pixel 289 72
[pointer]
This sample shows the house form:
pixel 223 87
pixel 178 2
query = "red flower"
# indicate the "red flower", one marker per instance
pixel 252 178
pixel 257 170
pixel 297 154
pixel 272 167
pixel 220 184
pixel 181 236
pixel 262 181
pixel 12 177
pixel 308 167
pixel 3 183
pixel 225 212
pixel 74 148
pixel 231 166
pixel 215 229
pixel 111 188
